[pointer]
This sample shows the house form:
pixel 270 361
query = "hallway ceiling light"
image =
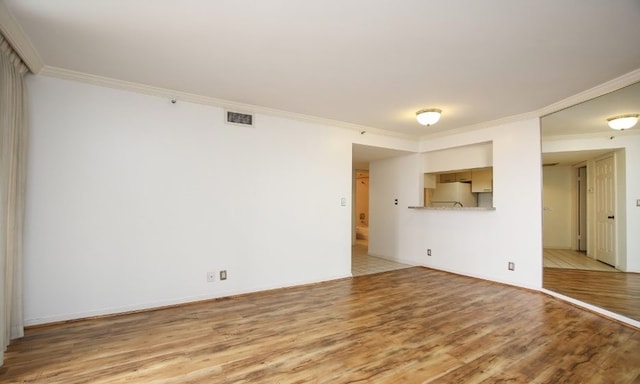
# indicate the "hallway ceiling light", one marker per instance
pixel 428 116
pixel 623 122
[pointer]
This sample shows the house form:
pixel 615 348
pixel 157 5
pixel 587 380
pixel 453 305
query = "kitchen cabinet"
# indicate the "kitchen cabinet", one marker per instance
pixel 447 177
pixel 463 176
pixel 457 176
pixel 429 180
pixel 482 180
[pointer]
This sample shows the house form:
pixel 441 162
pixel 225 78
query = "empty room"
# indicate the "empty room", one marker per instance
pixel 290 191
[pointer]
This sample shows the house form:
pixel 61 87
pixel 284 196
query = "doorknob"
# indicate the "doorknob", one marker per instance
pixel 610 217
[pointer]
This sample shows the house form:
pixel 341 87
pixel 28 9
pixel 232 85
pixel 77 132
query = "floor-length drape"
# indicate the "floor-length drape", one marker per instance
pixel 13 147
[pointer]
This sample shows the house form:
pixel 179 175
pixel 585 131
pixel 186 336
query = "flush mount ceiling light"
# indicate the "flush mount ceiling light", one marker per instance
pixel 428 116
pixel 623 121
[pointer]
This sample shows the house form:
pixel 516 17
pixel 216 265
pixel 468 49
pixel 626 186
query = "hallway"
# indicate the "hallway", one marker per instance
pixel 363 264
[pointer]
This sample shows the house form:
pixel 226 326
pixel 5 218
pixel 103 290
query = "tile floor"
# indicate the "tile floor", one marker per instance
pixel 363 264
pixel 566 258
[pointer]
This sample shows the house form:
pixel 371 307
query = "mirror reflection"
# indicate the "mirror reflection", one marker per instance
pixel 590 252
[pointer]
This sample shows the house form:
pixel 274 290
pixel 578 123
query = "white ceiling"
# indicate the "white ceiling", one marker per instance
pixel 370 63
pixel 572 158
pixel 364 154
pixel 590 117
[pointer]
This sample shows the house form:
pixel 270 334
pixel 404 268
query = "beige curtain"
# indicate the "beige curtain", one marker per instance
pixel 13 144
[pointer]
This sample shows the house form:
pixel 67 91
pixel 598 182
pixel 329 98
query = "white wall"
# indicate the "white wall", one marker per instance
pixel 557 206
pixel 475 243
pixel 464 157
pixel 131 200
pixel 628 169
pixel 397 178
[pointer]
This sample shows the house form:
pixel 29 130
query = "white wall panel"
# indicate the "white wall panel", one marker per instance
pixel 132 200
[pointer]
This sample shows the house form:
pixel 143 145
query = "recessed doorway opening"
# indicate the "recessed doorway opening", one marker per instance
pixel 363 217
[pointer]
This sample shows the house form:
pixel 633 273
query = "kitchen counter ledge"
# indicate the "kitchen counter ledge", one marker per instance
pixel 454 208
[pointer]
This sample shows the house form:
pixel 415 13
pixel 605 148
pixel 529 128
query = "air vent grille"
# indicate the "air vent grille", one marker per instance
pixel 239 118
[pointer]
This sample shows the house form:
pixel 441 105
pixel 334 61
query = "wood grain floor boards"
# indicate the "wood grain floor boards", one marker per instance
pixel 615 291
pixel 413 325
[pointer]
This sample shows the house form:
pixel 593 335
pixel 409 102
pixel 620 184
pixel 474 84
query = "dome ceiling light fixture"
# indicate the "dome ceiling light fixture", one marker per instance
pixel 428 116
pixel 623 122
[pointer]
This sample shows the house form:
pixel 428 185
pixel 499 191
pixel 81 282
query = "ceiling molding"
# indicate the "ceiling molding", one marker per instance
pixel 108 82
pixel 483 125
pixel 599 90
pixel 612 134
pixel 610 86
pixel 12 31
pixel 617 83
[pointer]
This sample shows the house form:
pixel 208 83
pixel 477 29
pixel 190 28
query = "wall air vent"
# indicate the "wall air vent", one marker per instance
pixel 240 118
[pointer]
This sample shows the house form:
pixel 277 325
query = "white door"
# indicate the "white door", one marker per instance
pixel 605 211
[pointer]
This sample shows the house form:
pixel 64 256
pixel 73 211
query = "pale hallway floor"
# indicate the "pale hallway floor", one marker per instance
pixel 566 258
pixel 363 264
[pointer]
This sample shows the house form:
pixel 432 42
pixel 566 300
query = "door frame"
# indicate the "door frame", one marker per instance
pixel 580 214
pixel 616 252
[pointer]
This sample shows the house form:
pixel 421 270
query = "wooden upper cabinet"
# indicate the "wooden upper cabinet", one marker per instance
pixel 456 176
pixel 447 177
pixel 482 180
pixel 463 176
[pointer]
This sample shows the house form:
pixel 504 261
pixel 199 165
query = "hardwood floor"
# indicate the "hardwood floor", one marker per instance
pixel 413 325
pixel 616 292
pixel 575 275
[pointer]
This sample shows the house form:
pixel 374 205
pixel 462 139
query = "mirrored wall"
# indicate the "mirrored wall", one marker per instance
pixel 587 215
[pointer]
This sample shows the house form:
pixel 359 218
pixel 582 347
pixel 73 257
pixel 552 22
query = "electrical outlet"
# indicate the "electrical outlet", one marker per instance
pixel 511 266
pixel 429 252
pixel 211 276
pixel 223 275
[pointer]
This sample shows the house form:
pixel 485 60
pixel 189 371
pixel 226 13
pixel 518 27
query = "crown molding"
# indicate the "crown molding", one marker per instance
pixel 599 90
pixel 609 135
pixel 610 86
pixel 483 125
pixel 14 34
pixel 108 82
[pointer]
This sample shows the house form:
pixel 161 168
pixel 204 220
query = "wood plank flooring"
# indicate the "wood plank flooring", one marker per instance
pixel 573 274
pixel 615 291
pixel 413 325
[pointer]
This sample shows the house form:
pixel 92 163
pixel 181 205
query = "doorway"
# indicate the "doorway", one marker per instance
pixel 362 187
pixel 582 187
pixel 361 262
pixel 605 201
pixel 588 186
pixel 588 276
pixel 362 208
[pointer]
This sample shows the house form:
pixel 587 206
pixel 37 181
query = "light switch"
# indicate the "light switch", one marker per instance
pixel 638 203
pixel 343 202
